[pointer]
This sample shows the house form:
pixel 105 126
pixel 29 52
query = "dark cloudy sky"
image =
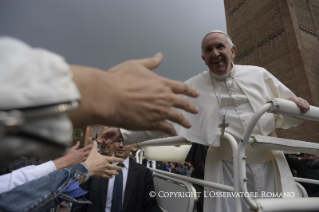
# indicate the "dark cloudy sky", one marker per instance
pixel 103 33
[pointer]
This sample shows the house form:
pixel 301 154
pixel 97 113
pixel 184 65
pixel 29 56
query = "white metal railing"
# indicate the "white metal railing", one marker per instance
pixel 278 106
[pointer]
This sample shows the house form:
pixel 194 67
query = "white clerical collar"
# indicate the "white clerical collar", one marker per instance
pixel 224 76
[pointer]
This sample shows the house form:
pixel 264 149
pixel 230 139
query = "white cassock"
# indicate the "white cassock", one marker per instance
pixel 249 87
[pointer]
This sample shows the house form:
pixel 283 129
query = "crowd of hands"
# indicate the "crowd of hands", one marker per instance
pixel 99 165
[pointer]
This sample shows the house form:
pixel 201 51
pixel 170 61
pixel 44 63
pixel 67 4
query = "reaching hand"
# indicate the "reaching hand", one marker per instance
pixel 74 156
pixel 150 98
pixel 100 166
pixel 301 103
pixel 77 155
pixel 131 96
pixel 110 135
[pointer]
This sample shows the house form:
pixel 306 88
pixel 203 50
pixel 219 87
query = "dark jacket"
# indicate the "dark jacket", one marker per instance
pixel 136 198
pixel 306 171
pixel 17 164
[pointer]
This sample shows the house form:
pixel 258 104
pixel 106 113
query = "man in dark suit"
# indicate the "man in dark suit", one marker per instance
pixel 154 164
pixel 132 195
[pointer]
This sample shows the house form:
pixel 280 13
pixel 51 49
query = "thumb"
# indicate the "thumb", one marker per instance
pixel 76 146
pixel 153 62
pixel 94 147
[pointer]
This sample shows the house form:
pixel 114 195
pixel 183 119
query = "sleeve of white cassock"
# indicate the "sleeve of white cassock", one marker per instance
pixel 281 91
pixel 133 137
pixel 26 174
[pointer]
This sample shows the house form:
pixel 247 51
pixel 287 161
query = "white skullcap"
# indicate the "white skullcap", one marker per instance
pixel 216 31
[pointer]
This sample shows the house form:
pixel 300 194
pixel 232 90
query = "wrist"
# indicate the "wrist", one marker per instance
pixel 93 84
pixel 87 175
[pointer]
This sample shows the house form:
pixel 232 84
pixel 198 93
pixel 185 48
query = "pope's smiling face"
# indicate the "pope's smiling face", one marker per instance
pixel 217 53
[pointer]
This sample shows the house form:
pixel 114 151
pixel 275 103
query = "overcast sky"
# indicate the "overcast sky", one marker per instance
pixel 103 33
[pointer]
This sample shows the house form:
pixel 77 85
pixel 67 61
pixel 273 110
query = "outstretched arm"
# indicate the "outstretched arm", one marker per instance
pixel 131 96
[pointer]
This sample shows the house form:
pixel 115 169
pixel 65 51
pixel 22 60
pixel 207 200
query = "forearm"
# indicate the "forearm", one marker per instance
pixel 90 84
pixel 47 188
pixel 62 163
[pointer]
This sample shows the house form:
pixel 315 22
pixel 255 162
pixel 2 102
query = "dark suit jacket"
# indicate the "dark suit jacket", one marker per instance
pixel 136 198
pixel 306 171
pixel 159 164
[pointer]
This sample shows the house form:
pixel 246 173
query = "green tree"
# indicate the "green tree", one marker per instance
pixel 77 135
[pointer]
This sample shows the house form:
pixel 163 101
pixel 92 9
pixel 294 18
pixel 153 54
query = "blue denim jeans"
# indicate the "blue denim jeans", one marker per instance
pixel 43 193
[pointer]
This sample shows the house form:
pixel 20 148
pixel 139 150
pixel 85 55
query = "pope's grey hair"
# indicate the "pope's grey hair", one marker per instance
pixel 230 42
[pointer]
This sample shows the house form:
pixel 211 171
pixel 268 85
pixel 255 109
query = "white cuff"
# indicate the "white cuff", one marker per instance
pixel 24 175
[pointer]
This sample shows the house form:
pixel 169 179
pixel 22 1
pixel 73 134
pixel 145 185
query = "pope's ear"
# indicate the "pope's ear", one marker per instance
pixel 203 58
pixel 233 51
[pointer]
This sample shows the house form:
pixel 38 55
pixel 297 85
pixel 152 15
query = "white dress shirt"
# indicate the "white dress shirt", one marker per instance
pixel 109 196
pixel 24 175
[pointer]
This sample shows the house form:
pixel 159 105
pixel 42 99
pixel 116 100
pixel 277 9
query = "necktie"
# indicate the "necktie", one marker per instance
pixel 151 164
pixel 117 191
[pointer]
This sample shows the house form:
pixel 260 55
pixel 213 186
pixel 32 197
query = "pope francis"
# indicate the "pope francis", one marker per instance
pixel 229 95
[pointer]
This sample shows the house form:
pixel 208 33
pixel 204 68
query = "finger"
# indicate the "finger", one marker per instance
pixel 151 63
pixel 106 176
pixel 182 103
pixel 303 104
pixel 86 154
pixel 165 127
pixel 182 88
pixel 114 167
pixel 295 100
pixel 114 159
pixel 94 146
pixel 87 148
pixel 306 106
pixel 177 117
pixel 108 141
pixel 77 145
pixel 111 132
pixel 111 172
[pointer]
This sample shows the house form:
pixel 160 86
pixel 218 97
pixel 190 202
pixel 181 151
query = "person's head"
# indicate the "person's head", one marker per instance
pixel 121 151
pixel 311 157
pixel 106 144
pixel 218 51
pixel 107 149
pixel 172 166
